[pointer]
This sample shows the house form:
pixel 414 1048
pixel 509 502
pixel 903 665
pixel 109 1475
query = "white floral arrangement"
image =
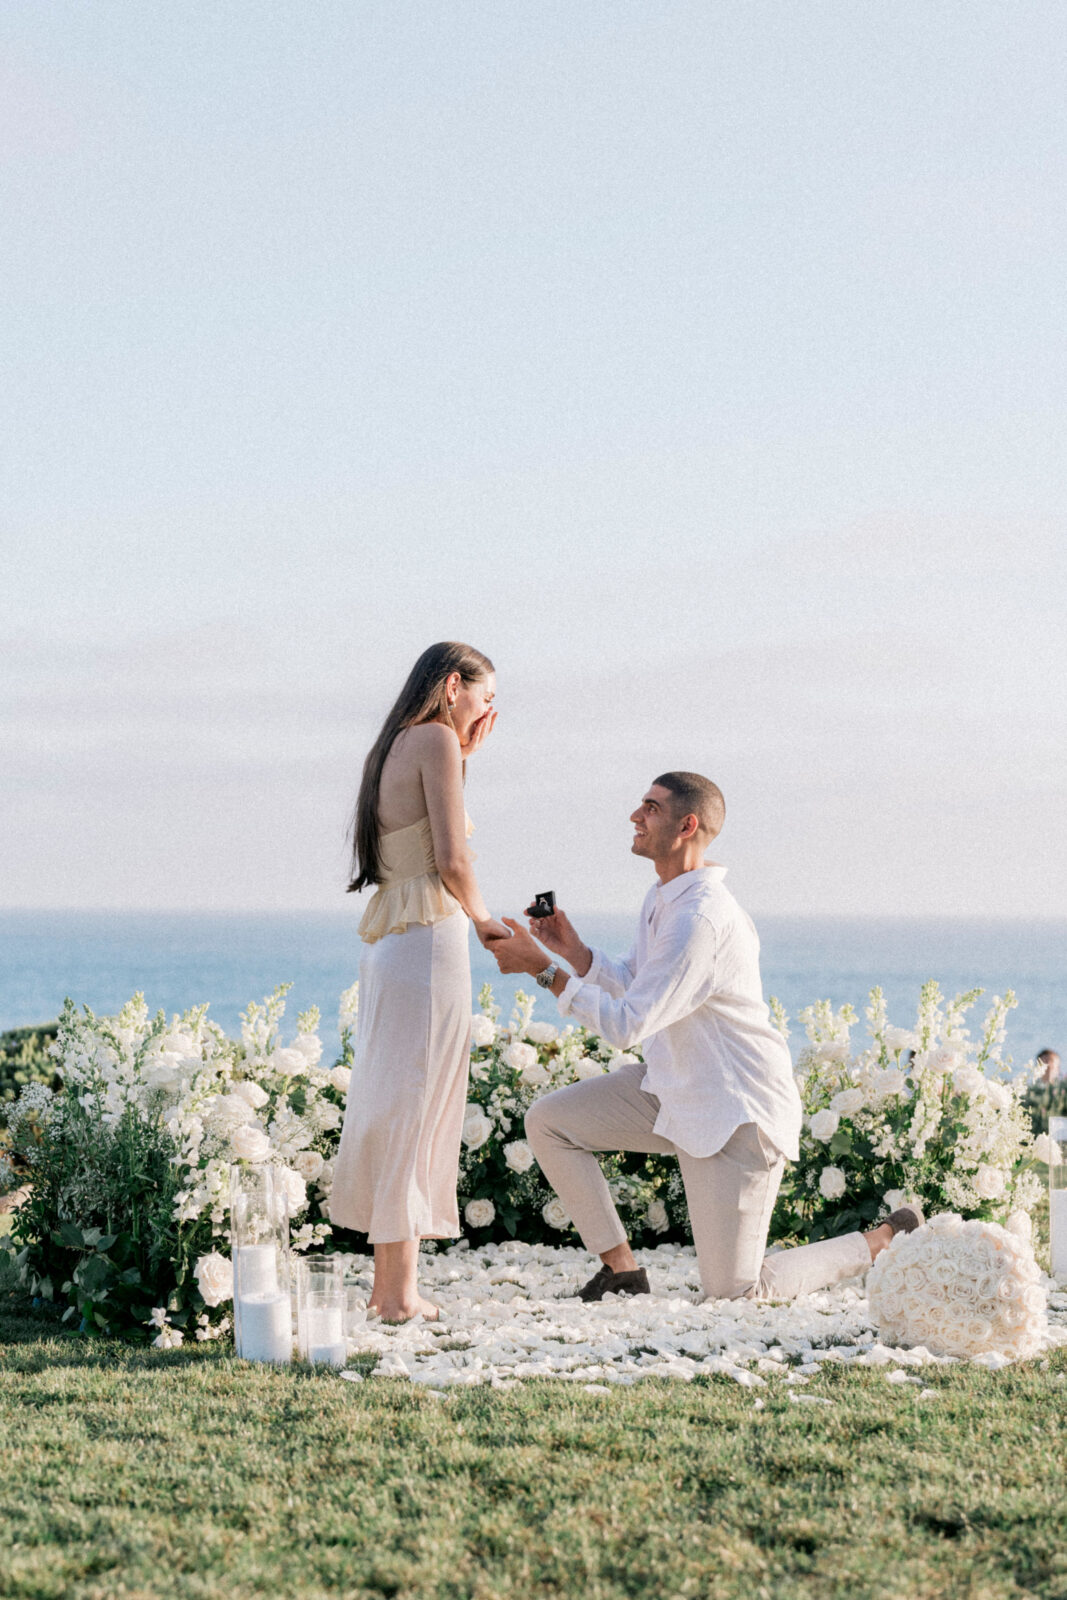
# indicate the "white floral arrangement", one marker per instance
pixel 960 1289
pixel 925 1113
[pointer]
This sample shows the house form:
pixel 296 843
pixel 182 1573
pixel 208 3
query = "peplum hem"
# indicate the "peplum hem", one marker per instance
pixel 396 906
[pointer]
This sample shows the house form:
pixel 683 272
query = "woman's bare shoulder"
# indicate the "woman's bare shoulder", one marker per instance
pixel 430 736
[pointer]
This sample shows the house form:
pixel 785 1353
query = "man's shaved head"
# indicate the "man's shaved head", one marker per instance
pixel 692 793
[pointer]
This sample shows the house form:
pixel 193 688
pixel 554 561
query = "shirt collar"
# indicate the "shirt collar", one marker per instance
pixel 710 872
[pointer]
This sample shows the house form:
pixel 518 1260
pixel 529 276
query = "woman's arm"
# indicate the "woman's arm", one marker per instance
pixel 441 771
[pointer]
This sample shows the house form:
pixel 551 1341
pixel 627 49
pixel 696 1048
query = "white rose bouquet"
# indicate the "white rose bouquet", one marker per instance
pixel 925 1113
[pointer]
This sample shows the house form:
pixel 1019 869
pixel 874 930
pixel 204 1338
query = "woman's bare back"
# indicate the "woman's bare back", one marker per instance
pixel 401 797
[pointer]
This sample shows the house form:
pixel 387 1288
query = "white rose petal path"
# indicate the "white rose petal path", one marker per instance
pixel 509 1313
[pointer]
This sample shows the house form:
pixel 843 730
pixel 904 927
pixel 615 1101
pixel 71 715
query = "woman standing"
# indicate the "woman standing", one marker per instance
pixel 398 1160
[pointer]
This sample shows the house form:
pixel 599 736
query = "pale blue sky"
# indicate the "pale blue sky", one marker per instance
pixel 702 363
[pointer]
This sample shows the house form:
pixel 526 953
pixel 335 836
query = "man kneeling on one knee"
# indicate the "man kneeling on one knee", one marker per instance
pixel 716 1087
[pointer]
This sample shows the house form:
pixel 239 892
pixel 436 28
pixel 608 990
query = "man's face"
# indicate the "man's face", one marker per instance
pixel 655 825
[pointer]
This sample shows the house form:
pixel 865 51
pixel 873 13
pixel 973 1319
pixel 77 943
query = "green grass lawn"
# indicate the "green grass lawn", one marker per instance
pixel 133 1473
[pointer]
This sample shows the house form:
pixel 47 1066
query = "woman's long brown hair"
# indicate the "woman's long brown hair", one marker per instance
pixel 422 699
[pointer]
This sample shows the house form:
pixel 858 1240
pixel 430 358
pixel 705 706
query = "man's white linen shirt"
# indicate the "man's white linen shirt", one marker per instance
pixel 690 991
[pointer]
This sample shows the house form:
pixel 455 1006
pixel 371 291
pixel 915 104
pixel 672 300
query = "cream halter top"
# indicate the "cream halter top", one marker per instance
pixel 411 889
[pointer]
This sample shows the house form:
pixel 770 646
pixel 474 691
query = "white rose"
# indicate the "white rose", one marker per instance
pixel 520 1057
pixel 893 1199
pixel 288 1061
pixel 251 1093
pixel 214 1278
pixel 326 1175
pixel 542 1033
pixel 479 1213
pixel 537 1075
pixel 657 1218
pixel 483 1030
pixel 249 1143
pixel 622 1058
pixel 989 1182
pixel 889 1081
pixel 847 1102
pixel 1046 1150
pixel 309 1046
pixel 898 1039
pixel 555 1214
pixel 295 1189
pixel 832 1183
pixel 230 1111
pixel 309 1164
pixel 968 1080
pixel 588 1067
pixel 518 1156
pixel 824 1125
pixel 340 1078
pixel 477 1127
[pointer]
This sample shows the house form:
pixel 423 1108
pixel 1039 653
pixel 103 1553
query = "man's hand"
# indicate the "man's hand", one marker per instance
pixel 519 953
pixel 558 934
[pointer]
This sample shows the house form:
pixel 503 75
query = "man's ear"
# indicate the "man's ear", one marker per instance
pixel 690 825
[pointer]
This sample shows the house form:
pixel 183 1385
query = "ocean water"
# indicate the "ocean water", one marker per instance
pixel 180 960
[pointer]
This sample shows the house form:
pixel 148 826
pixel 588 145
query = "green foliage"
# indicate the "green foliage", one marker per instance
pixel 1044 1100
pixel 24 1059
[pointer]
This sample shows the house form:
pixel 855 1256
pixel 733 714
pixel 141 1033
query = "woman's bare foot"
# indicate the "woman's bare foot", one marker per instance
pixel 396 1312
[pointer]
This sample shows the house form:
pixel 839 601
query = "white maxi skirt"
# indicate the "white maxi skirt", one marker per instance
pixel 398 1161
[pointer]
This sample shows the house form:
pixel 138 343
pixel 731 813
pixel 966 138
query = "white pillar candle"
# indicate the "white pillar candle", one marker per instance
pixel 256 1270
pixel 266 1325
pixel 325 1335
pixel 1057 1207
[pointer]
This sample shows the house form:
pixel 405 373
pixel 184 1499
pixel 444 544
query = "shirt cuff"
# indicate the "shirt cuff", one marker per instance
pixel 593 975
pixel 569 995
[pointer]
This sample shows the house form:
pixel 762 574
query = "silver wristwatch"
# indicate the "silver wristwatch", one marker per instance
pixel 545 979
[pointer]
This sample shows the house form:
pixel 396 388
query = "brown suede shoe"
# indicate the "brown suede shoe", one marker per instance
pixel 905 1220
pixel 607 1281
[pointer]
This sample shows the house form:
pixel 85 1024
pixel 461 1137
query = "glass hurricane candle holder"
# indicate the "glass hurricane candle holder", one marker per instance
pixel 1057 1197
pixel 259 1234
pixel 319 1276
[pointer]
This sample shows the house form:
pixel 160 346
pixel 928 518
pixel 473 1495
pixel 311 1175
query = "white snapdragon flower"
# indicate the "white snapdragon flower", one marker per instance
pixel 831 1183
pixel 518 1156
pixel 541 1033
pixel 158 1318
pixel 309 1164
pixel 555 1214
pixel 831 1050
pixel 824 1124
pixel 214 1278
pixel 657 1218
pixel 349 1009
pixel 477 1127
pixel 483 1030
pixel 340 1078
pixel 847 1102
pixel 168 1339
pixel 249 1143
pixel 251 1093
pixel 479 1213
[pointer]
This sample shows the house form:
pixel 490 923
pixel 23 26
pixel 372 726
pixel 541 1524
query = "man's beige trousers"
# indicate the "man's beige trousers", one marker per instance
pixel 731 1194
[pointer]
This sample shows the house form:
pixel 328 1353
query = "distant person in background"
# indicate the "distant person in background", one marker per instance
pixel 398 1159
pixel 1048 1066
